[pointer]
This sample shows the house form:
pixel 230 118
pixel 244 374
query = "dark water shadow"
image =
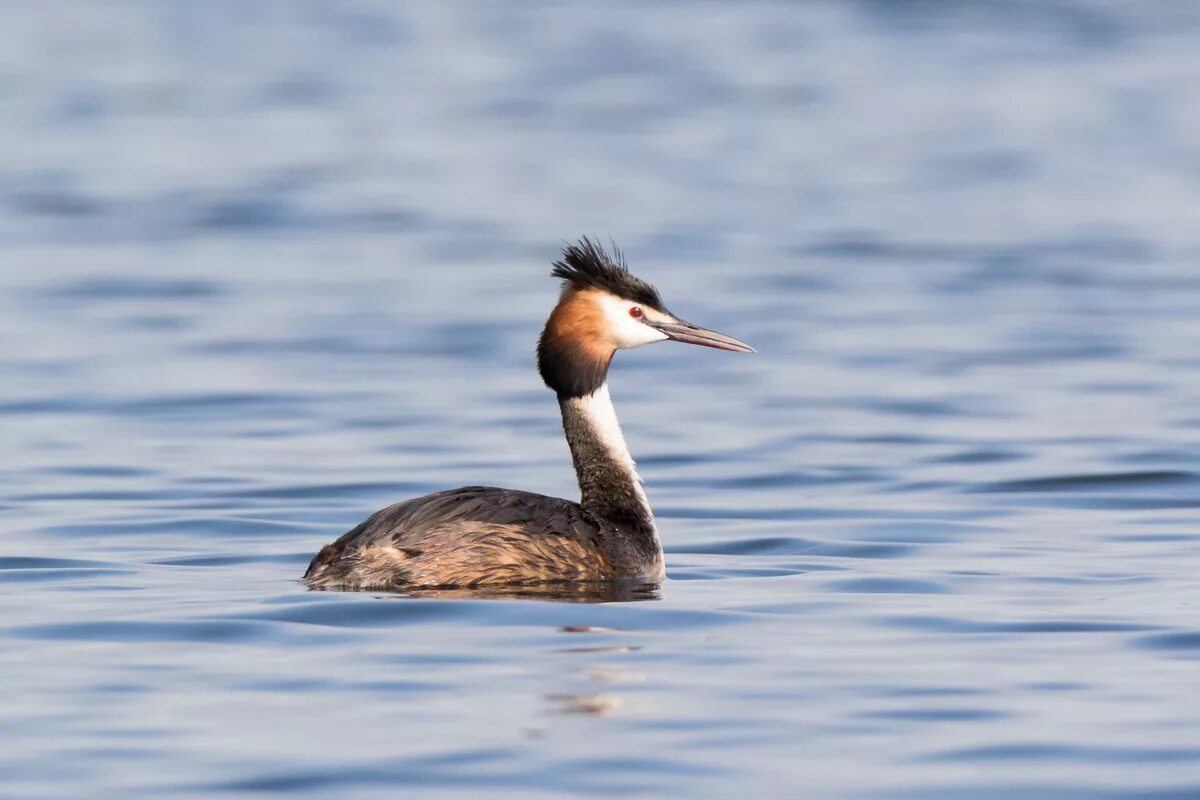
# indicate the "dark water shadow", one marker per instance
pixel 587 592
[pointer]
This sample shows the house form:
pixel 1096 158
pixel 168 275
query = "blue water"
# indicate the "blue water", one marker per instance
pixel 267 267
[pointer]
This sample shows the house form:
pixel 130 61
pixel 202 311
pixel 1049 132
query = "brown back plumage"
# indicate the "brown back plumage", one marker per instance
pixel 472 537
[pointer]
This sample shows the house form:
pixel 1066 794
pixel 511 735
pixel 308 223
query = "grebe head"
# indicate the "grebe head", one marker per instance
pixel 603 308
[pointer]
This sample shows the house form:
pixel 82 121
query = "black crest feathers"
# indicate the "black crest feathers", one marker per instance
pixel 588 265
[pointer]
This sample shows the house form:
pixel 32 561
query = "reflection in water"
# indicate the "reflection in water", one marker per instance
pixel 588 592
pixel 608 673
pixel 611 648
pixel 593 705
pixel 597 704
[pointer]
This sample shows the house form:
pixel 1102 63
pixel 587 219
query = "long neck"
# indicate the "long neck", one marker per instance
pixel 608 480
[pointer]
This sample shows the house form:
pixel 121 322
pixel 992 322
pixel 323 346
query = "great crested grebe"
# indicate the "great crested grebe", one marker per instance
pixel 477 537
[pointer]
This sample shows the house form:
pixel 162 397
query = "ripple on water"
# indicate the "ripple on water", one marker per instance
pixel 958 625
pixel 209 631
pixel 1095 481
pixel 230 527
pixel 934 714
pixel 392 611
pixel 476 770
pixel 885 585
pixel 40 562
pixel 920 531
pixel 101 471
pixel 235 559
pixel 1028 790
pixel 795 546
pixel 57 575
pixel 980 456
pixel 1142 490
pixel 36 569
pixel 768 514
pixel 1181 643
pixel 358 489
pixel 927 691
pixel 139 288
pixel 1058 751
pixel 722 573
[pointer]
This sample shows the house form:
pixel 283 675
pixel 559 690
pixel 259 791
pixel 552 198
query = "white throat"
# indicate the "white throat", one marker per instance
pixel 598 409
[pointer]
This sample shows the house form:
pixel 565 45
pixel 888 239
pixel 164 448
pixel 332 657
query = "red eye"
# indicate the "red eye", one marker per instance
pixel 636 312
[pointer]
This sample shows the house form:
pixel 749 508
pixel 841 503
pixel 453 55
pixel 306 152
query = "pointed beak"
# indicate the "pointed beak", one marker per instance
pixel 682 331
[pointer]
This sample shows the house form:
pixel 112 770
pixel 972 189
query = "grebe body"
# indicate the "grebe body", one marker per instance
pixel 479 537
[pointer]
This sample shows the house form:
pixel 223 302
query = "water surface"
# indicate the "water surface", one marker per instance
pixel 269 267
